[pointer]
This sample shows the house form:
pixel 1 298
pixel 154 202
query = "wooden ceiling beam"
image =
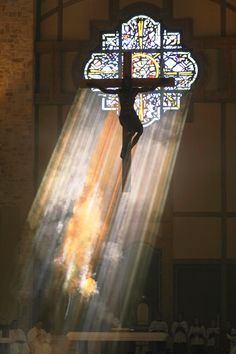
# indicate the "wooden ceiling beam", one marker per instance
pixel 228 42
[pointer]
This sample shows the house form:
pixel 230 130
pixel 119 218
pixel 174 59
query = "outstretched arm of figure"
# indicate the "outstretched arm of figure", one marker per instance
pixel 104 90
pixel 146 89
pixel 112 92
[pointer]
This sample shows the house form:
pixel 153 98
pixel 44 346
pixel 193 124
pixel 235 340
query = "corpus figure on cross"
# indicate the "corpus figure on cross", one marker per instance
pixel 129 120
pixel 127 90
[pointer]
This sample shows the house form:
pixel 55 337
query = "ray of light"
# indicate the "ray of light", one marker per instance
pixel 81 224
pixel 137 216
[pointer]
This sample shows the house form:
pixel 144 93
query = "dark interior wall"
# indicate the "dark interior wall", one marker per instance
pixel 197 291
pixel 231 293
pixel 16 137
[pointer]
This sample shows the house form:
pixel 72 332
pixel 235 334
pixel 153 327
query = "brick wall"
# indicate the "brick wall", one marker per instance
pixel 16 134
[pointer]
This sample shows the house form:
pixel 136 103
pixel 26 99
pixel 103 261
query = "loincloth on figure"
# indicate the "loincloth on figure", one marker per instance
pixel 130 122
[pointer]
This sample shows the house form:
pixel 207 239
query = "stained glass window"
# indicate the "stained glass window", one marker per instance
pixel 156 52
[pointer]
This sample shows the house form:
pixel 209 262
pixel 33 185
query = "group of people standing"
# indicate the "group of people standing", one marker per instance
pixel 37 340
pixel 195 338
pixel 182 338
pixel 199 338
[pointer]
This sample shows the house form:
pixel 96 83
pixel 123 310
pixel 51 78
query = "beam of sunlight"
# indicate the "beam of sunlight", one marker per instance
pixel 136 218
pixel 81 224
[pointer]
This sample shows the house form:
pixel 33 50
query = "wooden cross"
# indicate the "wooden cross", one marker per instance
pixel 136 83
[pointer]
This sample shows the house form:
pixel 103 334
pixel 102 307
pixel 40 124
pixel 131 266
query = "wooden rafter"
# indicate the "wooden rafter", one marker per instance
pixel 228 5
pixel 56 9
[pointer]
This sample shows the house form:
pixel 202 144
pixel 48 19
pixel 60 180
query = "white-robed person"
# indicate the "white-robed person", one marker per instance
pixel 212 334
pixel 39 340
pixel 179 331
pixel 197 337
pixel 18 343
pixel 159 325
pixel 232 338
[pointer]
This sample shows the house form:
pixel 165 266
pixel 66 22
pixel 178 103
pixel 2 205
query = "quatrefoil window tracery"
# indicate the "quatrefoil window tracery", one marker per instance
pixel 155 52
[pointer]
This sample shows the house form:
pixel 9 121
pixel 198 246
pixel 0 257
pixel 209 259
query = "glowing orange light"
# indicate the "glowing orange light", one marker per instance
pixel 88 287
pixel 90 219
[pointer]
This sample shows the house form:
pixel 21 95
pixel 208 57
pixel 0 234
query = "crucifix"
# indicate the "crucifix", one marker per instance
pixel 127 88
